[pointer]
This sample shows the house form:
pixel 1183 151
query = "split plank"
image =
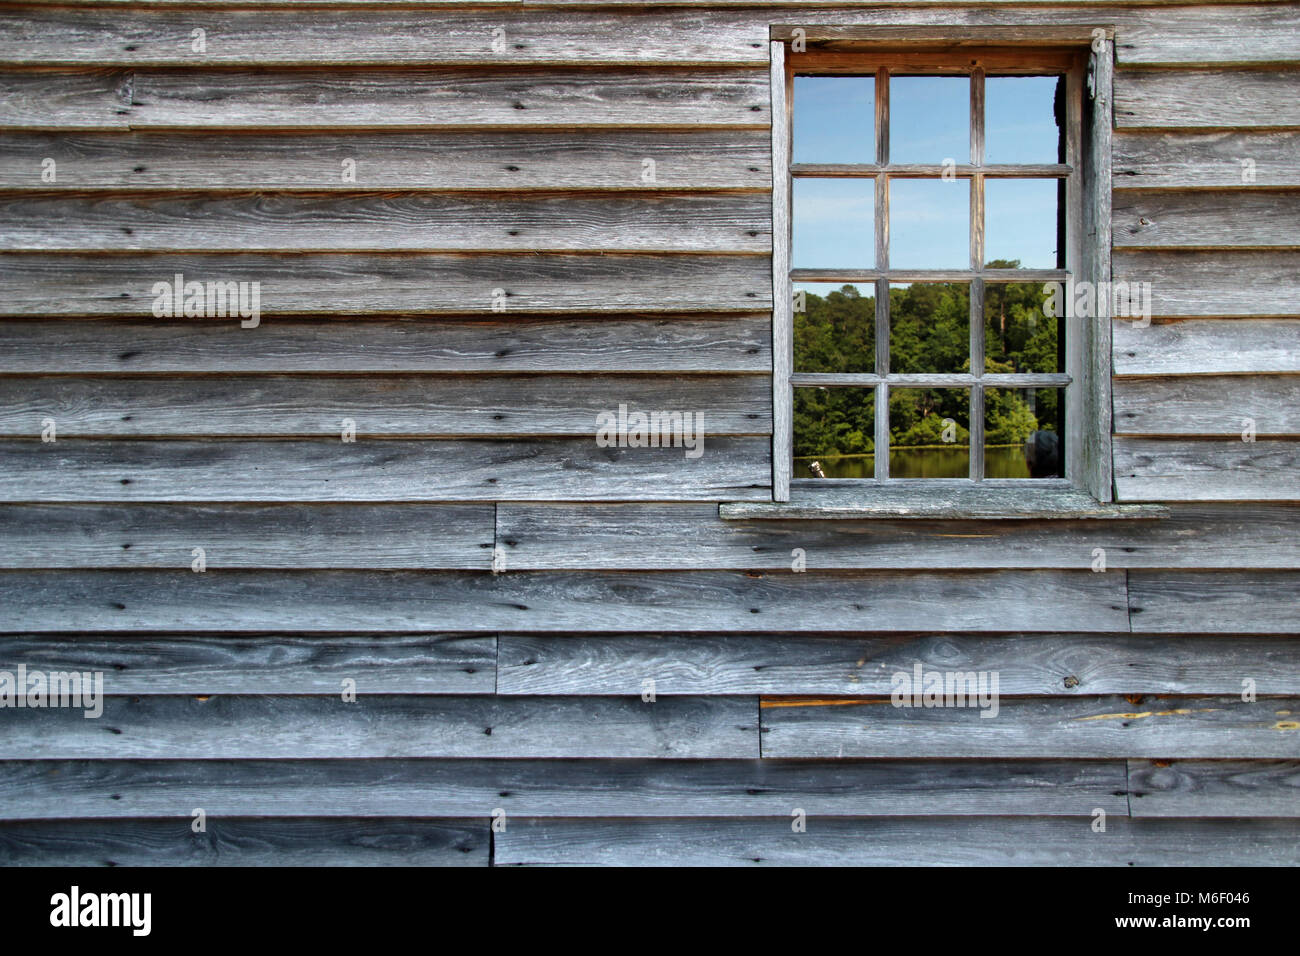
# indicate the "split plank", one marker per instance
pixel 259 601
pixel 1257 602
pixel 615 343
pixel 1207 160
pixel 390 406
pixel 266 663
pixel 1158 727
pixel 121 789
pixel 894 841
pixel 1239 218
pixel 245 728
pixel 1213 284
pixel 483 161
pixel 1199 99
pixel 350 284
pixel 377 470
pixel 1218 788
pixel 1207 346
pixel 853 665
pixel 1224 469
pixel 1207 405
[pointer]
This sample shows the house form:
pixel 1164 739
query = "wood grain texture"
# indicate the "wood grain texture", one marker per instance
pixel 1204 219
pixel 259 601
pixel 1198 99
pixel 1156 727
pixel 443 537
pixel 1223 469
pixel 1208 405
pixel 478 161
pixel 854 665
pixel 1256 602
pixel 390 406
pixel 358 283
pixel 377 470
pixel 121 789
pixel 1214 788
pixel 266 663
pixel 1207 346
pixel 1216 160
pixel 248 842
pixel 245 728
pixel 1214 284
pixel 616 343
pixel 384 222
pixel 992 841
pixel 95 99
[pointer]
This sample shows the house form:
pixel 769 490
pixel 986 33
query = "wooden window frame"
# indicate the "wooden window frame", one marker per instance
pixel 1083 55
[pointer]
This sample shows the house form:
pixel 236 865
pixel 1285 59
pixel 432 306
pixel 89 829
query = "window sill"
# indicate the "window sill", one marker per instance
pixel 972 504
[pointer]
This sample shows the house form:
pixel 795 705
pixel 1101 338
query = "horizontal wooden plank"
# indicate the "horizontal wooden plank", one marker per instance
pixel 122 789
pixel 1218 788
pixel 482 285
pixel 1224 469
pixel 391 405
pixel 1199 99
pixel 1207 405
pixel 433 4
pixel 674 536
pixel 44 36
pixel 266 663
pixel 991 841
pixel 1158 727
pixel 1207 346
pixel 521 160
pixel 1213 284
pixel 851 665
pixel 378 470
pixel 838 500
pixel 1258 602
pixel 374 725
pixel 385 222
pixel 230 601
pixel 250 842
pixel 94 99
pixel 614 343
pixel 1238 218
pixel 1206 160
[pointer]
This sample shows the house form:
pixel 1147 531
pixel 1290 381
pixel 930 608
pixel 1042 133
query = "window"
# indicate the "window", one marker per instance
pixel 936 208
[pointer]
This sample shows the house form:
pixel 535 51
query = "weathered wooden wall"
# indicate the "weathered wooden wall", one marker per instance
pixel 522 171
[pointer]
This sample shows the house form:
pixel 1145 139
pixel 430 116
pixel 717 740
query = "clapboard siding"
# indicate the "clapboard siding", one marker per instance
pixel 1256 602
pixel 384 222
pixel 1206 346
pixel 1198 99
pixel 289 663
pixel 345 283
pixel 675 536
pixel 614 343
pixel 1226 469
pixel 1216 160
pixel 415 162
pixel 121 789
pixel 232 600
pixel 1213 284
pixel 391 405
pixel 1204 219
pixel 1207 405
pixel 992 841
pixel 1218 788
pixel 374 725
pixel 1209 727
pixel 377 470
pixel 854 665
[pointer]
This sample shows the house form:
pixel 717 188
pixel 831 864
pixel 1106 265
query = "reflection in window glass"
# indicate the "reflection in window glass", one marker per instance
pixel 1020 120
pixel 835 428
pixel 929 224
pixel 835 330
pixel 929 433
pixel 1020 222
pixel 1018 335
pixel 834 119
pixel 929 327
pixel 1023 430
pixel 929 119
pixel 834 223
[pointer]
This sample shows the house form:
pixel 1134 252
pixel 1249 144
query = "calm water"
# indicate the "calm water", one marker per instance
pixel 947 461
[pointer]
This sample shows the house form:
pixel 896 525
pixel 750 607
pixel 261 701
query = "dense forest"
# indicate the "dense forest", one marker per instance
pixel 929 332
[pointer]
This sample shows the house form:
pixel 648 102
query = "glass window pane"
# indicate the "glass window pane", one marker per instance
pixel 1020 120
pixel 929 119
pixel 1022 432
pixel 834 428
pixel 929 433
pixel 929 224
pixel 929 327
pixel 1020 223
pixel 834 224
pixel 834 327
pixel 1021 330
pixel 834 119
